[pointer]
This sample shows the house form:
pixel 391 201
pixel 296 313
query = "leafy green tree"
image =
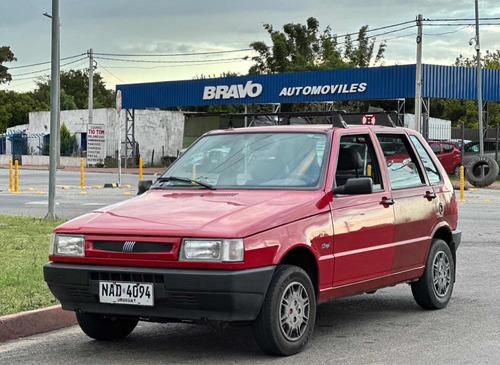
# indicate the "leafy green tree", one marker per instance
pixel 488 60
pixel 15 108
pixel 6 55
pixel 68 141
pixel 302 47
pixel 75 83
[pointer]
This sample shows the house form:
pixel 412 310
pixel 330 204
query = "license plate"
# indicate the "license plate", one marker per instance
pixel 126 293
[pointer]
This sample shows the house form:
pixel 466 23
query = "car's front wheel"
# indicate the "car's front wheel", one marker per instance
pixel 100 327
pixel 286 320
pixel 433 290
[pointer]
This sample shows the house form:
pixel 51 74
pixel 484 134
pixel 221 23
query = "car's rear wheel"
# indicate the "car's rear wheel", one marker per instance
pixel 100 327
pixel 286 320
pixel 433 290
pixel 456 171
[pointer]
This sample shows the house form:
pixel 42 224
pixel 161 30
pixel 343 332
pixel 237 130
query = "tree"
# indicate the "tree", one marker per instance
pixel 68 141
pixel 15 109
pixel 6 55
pixel 488 60
pixel 75 84
pixel 305 48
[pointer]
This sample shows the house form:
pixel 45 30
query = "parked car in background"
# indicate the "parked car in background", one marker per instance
pixel 449 155
pixel 471 149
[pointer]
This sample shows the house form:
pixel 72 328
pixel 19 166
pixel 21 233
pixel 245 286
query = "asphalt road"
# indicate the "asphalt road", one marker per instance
pixel 32 198
pixel 384 328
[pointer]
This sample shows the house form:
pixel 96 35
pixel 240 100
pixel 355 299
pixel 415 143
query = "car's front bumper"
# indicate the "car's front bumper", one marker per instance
pixel 179 294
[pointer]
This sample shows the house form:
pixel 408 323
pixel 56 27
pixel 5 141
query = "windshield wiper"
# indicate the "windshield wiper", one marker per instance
pixel 186 180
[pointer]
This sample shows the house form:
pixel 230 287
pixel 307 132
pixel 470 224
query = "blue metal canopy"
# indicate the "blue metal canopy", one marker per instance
pixel 341 84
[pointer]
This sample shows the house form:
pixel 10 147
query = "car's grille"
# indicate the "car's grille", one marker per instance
pixel 137 278
pixel 132 246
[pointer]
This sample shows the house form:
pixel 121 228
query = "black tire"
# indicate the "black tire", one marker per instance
pixel 290 292
pixel 473 171
pixel 456 171
pixel 433 290
pixel 104 328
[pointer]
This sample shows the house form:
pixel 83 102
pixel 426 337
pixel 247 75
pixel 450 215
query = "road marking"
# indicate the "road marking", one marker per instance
pixel 38 203
pixel 94 204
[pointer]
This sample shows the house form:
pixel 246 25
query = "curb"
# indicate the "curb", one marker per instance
pixel 33 322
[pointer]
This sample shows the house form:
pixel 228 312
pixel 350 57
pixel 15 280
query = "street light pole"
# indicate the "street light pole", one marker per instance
pixel 418 77
pixel 54 108
pixel 479 84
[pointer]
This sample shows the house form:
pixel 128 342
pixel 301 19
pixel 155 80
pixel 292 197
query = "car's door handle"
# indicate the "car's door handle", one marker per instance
pixel 387 201
pixel 430 195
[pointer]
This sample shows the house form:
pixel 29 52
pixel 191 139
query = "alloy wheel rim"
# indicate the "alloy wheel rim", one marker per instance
pixel 441 274
pixel 294 311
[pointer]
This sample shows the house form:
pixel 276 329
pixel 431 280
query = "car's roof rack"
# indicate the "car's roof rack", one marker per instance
pixel 338 118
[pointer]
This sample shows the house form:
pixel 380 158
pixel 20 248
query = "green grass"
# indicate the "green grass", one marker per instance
pixel 24 249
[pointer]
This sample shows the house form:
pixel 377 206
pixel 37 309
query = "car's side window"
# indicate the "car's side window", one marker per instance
pixel 401 161
pixel 447 148
pixel 436 148
pixel 430 168
pixel 357 158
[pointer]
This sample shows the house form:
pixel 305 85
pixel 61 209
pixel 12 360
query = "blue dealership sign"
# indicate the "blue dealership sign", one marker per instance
pixel 314 86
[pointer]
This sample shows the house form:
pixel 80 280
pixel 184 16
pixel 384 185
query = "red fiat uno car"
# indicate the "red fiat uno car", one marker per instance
pixel 260 225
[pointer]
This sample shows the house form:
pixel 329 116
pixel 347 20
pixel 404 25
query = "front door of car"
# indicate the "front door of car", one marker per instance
pixel 363 225
pixel 415 205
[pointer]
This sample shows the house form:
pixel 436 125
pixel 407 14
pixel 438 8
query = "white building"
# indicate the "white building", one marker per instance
pixel 157 133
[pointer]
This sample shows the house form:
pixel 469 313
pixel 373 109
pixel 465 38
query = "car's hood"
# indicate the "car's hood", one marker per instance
pixel 204 213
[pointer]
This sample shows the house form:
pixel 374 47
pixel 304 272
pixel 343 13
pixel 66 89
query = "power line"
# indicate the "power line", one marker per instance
pixel 453 31
pixel 174 62
pixel 455 24
pixel 182 65
pixel 174 54
pixel 112 74
pixel 458 19
pixel 375 29
pixel 44 63
pixel 385 33
pixel 47 69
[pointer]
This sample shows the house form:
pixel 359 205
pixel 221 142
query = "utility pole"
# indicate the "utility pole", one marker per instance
pixel 418 76
pixel 91 85
pixel 54 108
pixel 479 84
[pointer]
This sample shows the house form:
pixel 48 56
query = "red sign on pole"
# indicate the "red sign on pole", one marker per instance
pixel 368 119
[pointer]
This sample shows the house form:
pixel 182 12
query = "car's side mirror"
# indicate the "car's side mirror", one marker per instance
pixel 360 185
pixel 144 186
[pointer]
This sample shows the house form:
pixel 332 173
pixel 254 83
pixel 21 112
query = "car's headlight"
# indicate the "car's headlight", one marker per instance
pixel 222 250
pixel 67 245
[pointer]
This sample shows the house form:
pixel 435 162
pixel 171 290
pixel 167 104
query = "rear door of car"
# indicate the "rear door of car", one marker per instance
pixel 414 199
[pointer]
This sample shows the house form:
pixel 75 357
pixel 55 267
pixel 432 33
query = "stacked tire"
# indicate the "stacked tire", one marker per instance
pixel 481 171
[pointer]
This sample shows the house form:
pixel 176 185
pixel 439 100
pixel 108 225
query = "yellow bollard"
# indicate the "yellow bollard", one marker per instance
pixel 10 176
pixel 16 180
pixel 369 170
pixel 461 183
pixel 81 174
pixel 140 168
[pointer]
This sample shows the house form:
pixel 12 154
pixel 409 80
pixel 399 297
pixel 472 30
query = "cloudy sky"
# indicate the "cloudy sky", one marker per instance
pixel 177 27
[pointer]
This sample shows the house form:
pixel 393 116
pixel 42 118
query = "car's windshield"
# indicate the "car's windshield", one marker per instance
pixel 251 160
